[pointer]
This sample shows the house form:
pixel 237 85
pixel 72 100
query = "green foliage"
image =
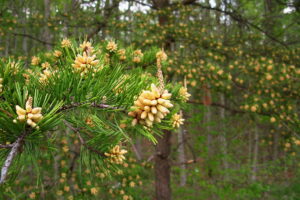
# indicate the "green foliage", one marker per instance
pixel 86 91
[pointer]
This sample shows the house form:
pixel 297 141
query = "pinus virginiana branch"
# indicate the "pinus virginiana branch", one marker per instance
pixel 89 90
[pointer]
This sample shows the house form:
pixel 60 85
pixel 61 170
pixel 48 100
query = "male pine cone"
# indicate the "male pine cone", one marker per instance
pixel 151 106
pixel 31 115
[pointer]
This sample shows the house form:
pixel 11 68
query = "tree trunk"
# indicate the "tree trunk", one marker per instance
pixel 223 141
pixel 207 12
pixel 7 42
pixel 24 39
pixel 275 145
pixel 139 148
pixel 163 148
pixel 181 155
pixel 162 167
pixel 255 153
pixel 209 141
pixel 270 20
pixel 249 132
pixel 24 44
pixel 47 35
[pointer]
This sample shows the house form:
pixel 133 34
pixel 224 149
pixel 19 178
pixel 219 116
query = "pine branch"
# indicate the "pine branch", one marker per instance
pixel 95 105
pixel 13 152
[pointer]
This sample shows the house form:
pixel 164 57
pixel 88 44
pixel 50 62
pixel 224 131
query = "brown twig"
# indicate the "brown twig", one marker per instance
pixel 13 152
pixel 33 38
pixel 95 105
pixel 6 146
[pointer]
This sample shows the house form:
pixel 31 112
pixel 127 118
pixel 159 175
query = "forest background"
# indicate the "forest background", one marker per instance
pixel 239 60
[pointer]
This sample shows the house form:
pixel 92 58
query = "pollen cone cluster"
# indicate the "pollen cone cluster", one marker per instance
pixel 84 63
pixel 65 43
pixel 116 155
pixel 151 106
pixel 183 92
pixel 87 47
pixel 137 56
pixel 45 76
pixel 35 60
pixel 15 67
pixel 177 120
pixel 31 115
pixel 112 46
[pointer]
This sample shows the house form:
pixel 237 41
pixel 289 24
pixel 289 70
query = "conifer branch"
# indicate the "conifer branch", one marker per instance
pixel 13 152
pixel 95 105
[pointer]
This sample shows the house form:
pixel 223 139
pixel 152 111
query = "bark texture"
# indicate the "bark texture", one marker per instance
pixel 162 167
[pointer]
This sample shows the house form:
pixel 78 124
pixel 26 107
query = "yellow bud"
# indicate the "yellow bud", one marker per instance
pixel 144 115
pixel 20 111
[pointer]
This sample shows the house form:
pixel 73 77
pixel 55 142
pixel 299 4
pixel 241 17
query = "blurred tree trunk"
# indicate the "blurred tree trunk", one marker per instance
pixel 207 121
pixel 271 9
pixel 222 135
pixel 218 14
pixel 137 148
pixel 47 34
pixel 209 140
pixel 105 13
pixel 24 44
pixel 249 132
pixel 269 21
pixel 207 13
pixel 7 42
pixel 162 166
pixel 255 153
pixel 24 39
pixel 275 144
pixel 181 155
